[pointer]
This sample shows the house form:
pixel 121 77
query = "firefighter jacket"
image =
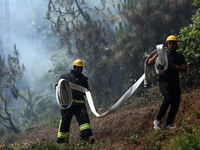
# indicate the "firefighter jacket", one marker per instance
pixel 77 108
pixel 78 79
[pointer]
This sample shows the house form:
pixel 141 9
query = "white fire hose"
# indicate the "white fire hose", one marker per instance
pixel 64 95
pixel 160 60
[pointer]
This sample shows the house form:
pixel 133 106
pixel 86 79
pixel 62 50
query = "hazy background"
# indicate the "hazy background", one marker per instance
pixel 112 37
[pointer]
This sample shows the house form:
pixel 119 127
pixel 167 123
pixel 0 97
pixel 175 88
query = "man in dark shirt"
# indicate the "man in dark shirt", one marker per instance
pixel 169 83
pixel 77 108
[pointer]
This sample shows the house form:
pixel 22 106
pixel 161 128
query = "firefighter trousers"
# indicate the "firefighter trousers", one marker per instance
pixel 80 112
pixel 171 93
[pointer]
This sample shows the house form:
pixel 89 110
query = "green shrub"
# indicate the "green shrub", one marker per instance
pixel 188 142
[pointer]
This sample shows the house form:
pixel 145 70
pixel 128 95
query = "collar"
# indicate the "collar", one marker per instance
pixel 75 74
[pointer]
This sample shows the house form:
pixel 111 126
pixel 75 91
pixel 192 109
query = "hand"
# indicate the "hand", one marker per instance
pixel 152 58
pixel 155 53
pixel 87 91
pixel 172 65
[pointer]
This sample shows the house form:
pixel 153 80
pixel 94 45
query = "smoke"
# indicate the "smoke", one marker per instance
pixel 31 34
pixel 26 28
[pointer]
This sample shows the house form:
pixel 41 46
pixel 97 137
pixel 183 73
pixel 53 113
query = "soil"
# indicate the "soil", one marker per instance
pixel 126 123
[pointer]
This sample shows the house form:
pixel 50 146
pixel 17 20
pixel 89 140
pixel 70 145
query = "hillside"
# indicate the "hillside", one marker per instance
pixel 121 127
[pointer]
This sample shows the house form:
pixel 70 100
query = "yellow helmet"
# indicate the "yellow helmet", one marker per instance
pixel 78 62
pixel 171 38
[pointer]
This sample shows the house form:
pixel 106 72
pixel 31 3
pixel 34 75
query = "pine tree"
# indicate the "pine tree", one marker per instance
pixel 10 72
pixel 147 24
pixel 86 34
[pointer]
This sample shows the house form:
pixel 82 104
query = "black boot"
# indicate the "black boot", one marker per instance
pixel 62 140
pixel 92 140
pixel 88 139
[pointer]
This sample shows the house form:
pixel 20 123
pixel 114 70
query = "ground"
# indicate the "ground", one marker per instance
pixel 126 123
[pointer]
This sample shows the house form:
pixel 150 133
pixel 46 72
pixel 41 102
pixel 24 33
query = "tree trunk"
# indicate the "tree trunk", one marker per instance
pixel 13 126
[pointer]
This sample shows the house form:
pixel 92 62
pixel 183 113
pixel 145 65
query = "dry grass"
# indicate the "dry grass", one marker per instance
pixel 125 129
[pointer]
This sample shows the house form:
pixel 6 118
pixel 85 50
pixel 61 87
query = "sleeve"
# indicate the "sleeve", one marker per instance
pixel 58 81
pixel 87 86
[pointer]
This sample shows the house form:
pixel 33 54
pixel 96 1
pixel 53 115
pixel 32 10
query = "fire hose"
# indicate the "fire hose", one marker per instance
pixel 64 95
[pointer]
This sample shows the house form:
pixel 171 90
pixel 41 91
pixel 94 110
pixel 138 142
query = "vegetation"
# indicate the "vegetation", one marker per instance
pixel 85 33
pixel 189 37
pixel 110 55
pixel 144 25
pixel 37 108
pixel 26 101
pixel 184 137
pixel 113 39
pixel 10 72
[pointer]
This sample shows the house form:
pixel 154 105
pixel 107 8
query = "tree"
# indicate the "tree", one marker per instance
pixel 38 107
pixel 189 46
pixel 86 33
pixel 144 25
pixel 141 26
pixel 75 24
pixel 10 72
pixel 28 113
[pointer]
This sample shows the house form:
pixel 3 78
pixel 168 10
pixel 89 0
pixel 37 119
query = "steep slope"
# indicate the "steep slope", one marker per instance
pixel 126 123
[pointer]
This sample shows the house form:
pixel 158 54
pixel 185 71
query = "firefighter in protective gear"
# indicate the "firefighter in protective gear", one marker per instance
pixel 77 108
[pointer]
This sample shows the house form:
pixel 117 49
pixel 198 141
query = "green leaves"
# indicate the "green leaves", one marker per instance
pixel 190 42
pixel 146 24
pixel 10 72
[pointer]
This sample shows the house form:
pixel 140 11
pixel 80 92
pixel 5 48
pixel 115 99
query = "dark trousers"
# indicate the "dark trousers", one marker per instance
pixel 80 112
pixel 171 93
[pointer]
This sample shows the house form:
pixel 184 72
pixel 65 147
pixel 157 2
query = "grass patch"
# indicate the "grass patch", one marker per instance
pixel 46 145
pixel 182 138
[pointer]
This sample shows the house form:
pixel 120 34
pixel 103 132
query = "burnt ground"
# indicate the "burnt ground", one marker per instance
pixel 126 123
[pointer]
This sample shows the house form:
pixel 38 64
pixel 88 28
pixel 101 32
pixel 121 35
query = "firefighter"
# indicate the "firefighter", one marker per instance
pixel 77 108
pixel 169 83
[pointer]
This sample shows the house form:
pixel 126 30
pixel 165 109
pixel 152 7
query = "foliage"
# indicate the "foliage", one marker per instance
pixel 43 145
pixel 27 114
pixel 37 104
pixel 45 107
pixel 190 41
pixel 38 107
pixel 185 137
pixel 112 65
pixel 144 25
pixel 61 66
pixel 86 32
pixel 144 98
pixel 41 27
pixel 10 72
pixel 188 141
pixel 48 44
